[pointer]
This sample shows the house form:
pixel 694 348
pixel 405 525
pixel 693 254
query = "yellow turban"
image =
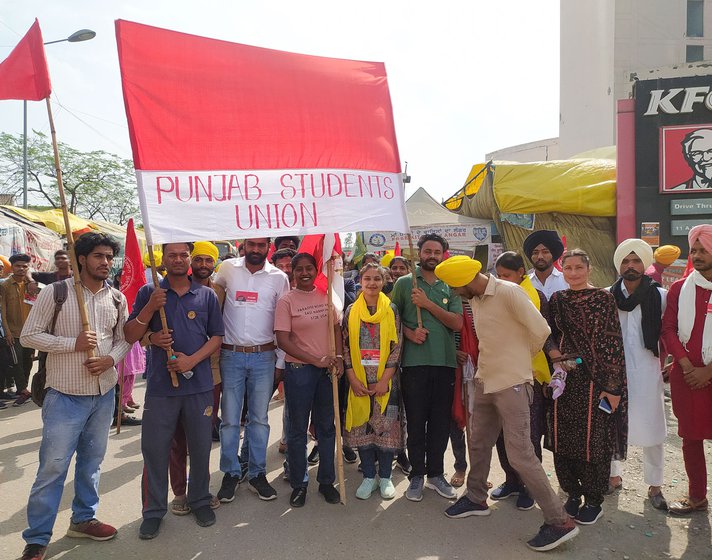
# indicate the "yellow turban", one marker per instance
pixel 205 248
pixel 387 258
pixel 5 263
pixel 667 254
pixel 458 271
pixel 157 255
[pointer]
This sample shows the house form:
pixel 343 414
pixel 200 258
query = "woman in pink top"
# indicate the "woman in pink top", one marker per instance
pixel 301 324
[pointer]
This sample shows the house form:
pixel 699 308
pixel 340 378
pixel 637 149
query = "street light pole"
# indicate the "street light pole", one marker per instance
pixel 76 37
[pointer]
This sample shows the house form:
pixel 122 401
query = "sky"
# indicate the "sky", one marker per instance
pixel 466 77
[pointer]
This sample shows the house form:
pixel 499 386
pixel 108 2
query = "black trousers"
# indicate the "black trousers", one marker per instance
pixel 427 395
pixel 578 478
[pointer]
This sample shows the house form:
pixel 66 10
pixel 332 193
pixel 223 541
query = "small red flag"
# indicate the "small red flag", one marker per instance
pixel 397 250
pixel 689 268
pixel 319 246
pixel 132 275
pixel 24 74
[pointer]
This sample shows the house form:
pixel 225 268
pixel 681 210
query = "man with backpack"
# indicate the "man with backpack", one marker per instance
pixel 78 406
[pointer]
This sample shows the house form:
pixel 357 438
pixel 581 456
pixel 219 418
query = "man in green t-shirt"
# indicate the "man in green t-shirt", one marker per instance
pixel 428 363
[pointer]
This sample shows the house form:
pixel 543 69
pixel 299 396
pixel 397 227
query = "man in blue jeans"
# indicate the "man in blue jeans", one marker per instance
pixel 247 363
pixel 79 405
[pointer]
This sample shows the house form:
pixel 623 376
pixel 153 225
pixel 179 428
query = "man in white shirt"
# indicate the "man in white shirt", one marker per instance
pixel 543 248
pixel 641 303
pixel 247 363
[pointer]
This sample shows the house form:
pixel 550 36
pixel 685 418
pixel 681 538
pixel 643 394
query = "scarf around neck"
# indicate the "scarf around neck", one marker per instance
pixel 648 297
pixel 358 408
pixel 686 314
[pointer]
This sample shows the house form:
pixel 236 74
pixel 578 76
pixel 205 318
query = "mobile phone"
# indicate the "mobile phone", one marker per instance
pixel 605 405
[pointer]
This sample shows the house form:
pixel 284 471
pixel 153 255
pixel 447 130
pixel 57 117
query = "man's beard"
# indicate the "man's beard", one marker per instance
pixel 427 264
pixel 701 266
pixel 542 265
pixel 255 258
pixel 202 273
pixel 632 275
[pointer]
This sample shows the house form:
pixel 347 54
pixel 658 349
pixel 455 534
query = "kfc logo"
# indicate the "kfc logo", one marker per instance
pixel 686 159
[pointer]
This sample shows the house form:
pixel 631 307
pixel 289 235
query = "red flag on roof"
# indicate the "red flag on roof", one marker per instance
pixel 132 274
pixel 24 74
pixel 397 250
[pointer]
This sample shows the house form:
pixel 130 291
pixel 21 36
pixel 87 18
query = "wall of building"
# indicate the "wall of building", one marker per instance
pixel 541 150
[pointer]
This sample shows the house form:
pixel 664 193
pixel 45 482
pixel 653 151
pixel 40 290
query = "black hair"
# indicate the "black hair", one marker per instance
pixel 299 256
pixel 433 237
pixel 229 256
pixel 294 238
pixel 188 243
pixel 511 260
pixel 20 257
pixel 282 254
pixel 399 259
pixel 372 266
pixel 90 241
pixel 370 256
pixel 60 252
pixel 583 255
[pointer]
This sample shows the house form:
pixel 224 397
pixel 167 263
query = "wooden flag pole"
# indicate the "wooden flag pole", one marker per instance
pixel 161 311
pixel 415 280
pixel 335 386
pixel 68 230
pixel 120 409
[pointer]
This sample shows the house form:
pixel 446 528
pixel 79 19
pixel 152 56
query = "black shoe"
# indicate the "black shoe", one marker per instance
pixel 331 494
pixel 3 405
pixel 505 490
pixel 149 528
pixel 572 505
pixel 524 501
pixel 298 497
pixel 127 420
pixel 403 463
pixel 589 514
pixel 204 516
pixel 349 454
pixel 260 485
pixel 34 552
pixel 551 536
pixel 8 396
pixel 226 494
pixel 313 458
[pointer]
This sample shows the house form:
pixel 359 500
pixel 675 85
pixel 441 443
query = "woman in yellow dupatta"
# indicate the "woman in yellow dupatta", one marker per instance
pixel 510 267
pixel 371 351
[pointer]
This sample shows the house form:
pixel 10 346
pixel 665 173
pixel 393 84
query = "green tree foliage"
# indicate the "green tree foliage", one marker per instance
pixel 97 184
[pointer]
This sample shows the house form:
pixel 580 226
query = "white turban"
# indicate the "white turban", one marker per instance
pixel 637 246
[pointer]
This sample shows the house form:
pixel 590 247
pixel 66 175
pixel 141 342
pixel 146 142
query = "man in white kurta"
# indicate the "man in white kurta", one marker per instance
pixel 641 303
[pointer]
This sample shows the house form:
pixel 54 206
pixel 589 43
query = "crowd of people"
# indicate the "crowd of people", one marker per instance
pixel 444 352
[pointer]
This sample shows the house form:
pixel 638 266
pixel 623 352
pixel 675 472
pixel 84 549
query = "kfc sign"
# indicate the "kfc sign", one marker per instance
pixel 665 100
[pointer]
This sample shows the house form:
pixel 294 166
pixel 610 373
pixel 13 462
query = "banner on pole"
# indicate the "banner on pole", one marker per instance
pixel 233 141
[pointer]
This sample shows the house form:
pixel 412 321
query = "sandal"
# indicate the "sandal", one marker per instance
pixel 179 506
pixel 214 502
pixel 458 479
pixel 686 506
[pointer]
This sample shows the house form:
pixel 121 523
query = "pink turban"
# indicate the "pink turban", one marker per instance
pixel 703 234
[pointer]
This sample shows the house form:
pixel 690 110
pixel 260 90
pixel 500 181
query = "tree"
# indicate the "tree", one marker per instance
pixel 97 184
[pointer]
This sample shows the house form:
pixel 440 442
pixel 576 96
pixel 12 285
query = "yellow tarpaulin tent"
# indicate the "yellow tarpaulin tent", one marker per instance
pixel 53 219
pixel 584 187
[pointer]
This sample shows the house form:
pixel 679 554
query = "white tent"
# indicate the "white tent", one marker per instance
pixel 426 215
pixel 18 235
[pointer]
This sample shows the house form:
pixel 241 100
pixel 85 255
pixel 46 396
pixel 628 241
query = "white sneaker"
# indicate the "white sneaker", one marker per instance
pixel 366 489
pixel 388 491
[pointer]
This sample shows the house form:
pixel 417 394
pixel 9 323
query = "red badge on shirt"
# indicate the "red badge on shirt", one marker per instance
pixel 245 297
pixel 370 357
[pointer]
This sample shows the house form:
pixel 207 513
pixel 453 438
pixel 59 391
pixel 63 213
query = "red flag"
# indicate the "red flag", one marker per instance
pixel 397 250
pixel 689 268
pixel 557 263
pixel 317 246
pixel 24 74
pixel 132 274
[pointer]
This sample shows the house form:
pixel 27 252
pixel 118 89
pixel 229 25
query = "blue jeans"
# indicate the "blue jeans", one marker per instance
pixel 307 389
pixel 253 373
pixel 71 424
pixel 369 455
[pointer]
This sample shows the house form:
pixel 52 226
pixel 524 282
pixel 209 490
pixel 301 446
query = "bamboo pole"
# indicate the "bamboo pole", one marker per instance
pixel 120 409
pixel 161 311
pixel 68 230
pixel 415 280
pixel 335 386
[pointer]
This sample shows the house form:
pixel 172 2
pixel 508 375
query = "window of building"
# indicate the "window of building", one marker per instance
pixel 695 18
pixel 695 53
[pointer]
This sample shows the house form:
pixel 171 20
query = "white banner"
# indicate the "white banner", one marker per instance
pixel 458 236
pixel 214 205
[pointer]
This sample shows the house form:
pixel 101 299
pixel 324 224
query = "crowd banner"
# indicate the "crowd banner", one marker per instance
pixel 231 141
pixel 462 236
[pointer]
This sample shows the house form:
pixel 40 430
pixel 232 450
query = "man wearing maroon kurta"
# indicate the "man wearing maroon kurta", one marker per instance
pixel 690 343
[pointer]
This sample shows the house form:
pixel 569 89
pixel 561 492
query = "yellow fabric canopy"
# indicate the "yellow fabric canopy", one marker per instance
pixel 585 187
pixel 53 219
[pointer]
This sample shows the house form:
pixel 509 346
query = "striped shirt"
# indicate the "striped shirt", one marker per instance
pixel 65 367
